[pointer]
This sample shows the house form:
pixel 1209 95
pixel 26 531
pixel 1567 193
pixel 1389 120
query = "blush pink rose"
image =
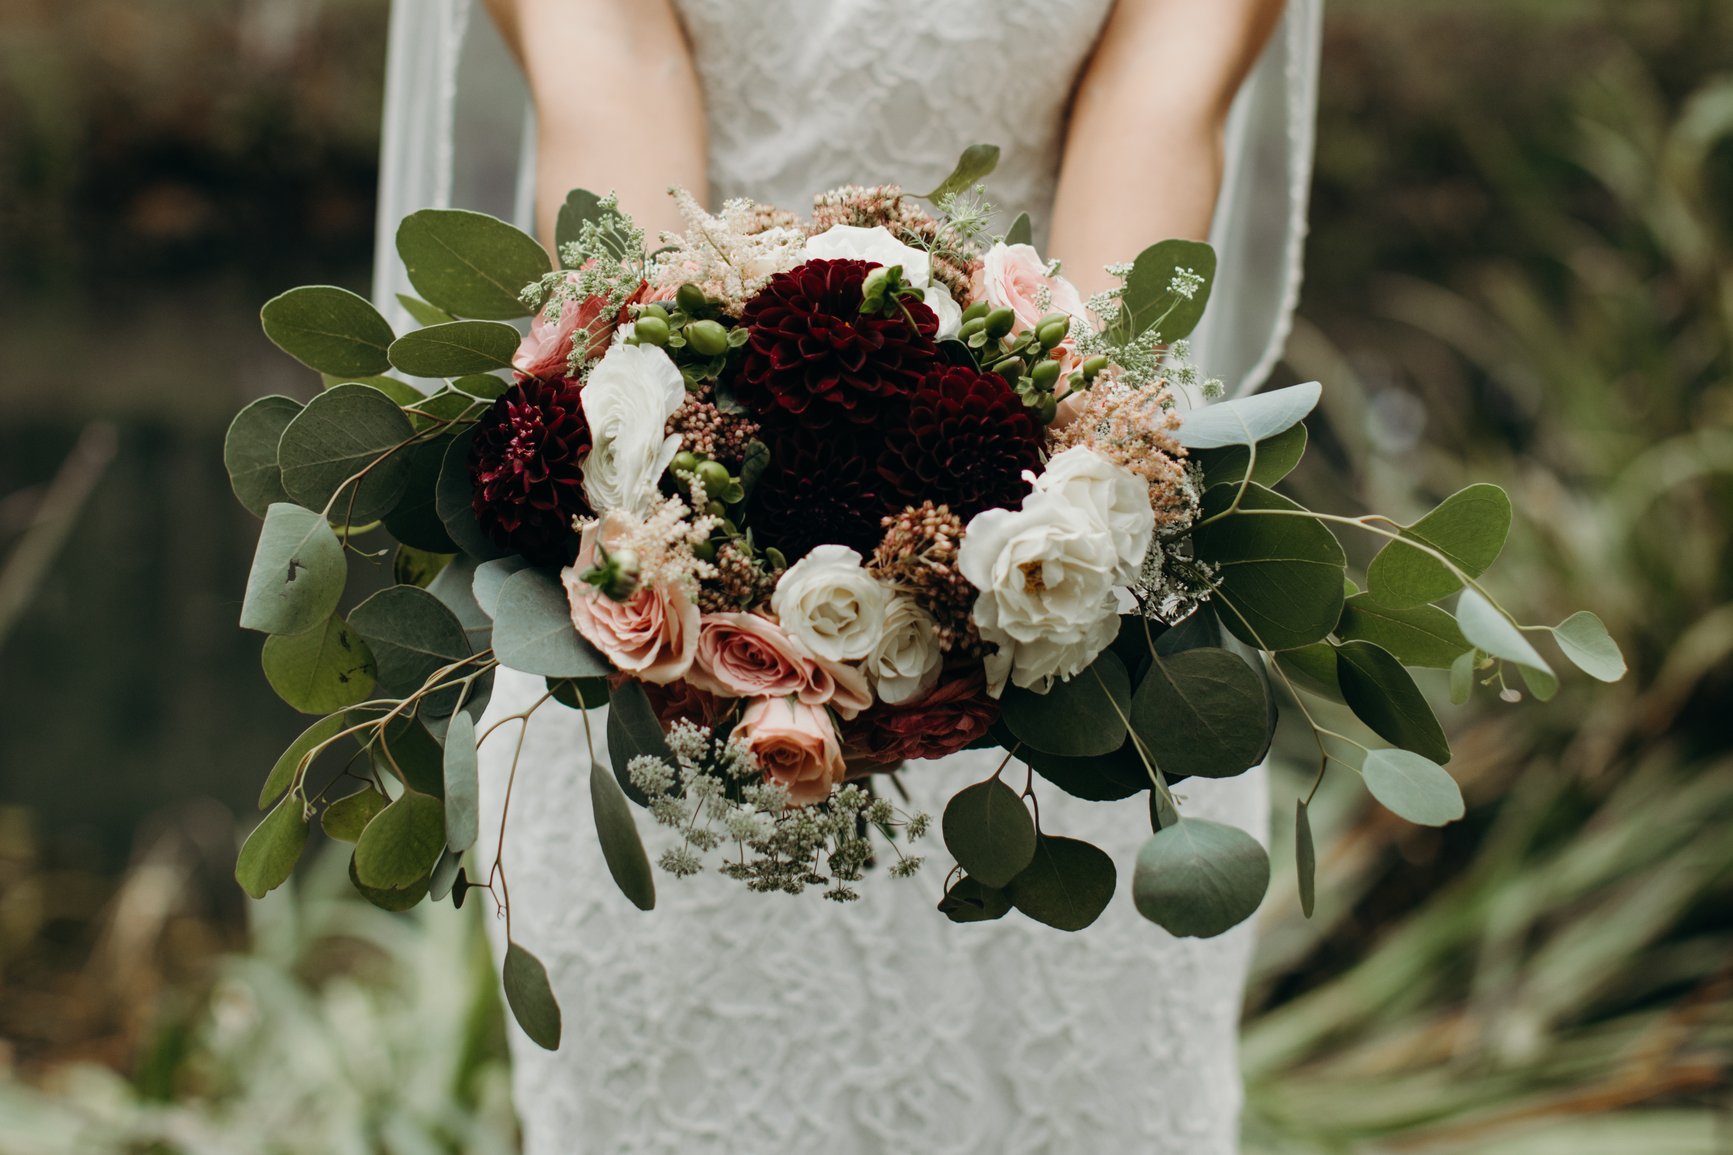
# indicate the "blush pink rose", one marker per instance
pixel 795 745
pixel 1013 276
pixel 545 351
pixel 652 635
pixel 749 656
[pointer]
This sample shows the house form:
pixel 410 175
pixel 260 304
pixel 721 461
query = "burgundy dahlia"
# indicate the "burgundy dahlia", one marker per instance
pixel 955 714
pixel 966 442
pixel 524 462
pixel 813 356
pixel 820 487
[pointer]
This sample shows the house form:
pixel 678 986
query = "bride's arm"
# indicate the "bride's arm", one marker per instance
pixel 1143 154
pixel 617 102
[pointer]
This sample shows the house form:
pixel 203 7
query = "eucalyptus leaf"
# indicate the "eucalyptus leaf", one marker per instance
pixel 1098 778
pixel 469 264
pixel 417 567
pixel 1076 718
pixel 423 313
pixel 341 433
pixel 297 574
pixel 1281 572
pixel 1149 300
pixel 454 501
pixel 1468 527
pixel 1248 420
pixel 483 386
pixel 1313 668
pixel 1305 858
pixel 415 520
pixel 395 899
pixel 1199 879
pixel 974 166
pixel 622 849
pixel 1066 885
pixel 579 693
pixel 580 205
pixel 1383 695
pixel 533 631
pixel 490 579
pixel 412 636
pixel 1413 787
pixel 531 998
pixel 1585 641
pixel 1492 632
pixel 445 875
pixel 401 392
pixel 1417 635
pixel 402 843
pixel 1540 683
pixel 455 348
pixel 989 832
pixel 282 774
pixel 326 669
pixel 329 330
pixel 634 730
pixel 407 750
pixel 1021 231
pixel 1276 458
pixel 462 788
pixel 1202 713
pixel 269 855
pixel 250 452
pixel 1462 676
pixel 969 900
pixel 348 816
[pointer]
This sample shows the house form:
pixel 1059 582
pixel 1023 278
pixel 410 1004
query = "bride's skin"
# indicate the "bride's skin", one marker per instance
pixel 1143 151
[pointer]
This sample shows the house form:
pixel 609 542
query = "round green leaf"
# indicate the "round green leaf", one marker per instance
pixel 250 452
pixel 415 522
pixel 1276 458
pixel 320 671
pixel 1416 635
pixel 1280 575
pixel 395 899
pixel 969 901
pixel 1468 527
pixel 490 578
pixel 329 330
pixel 989 832
pixel 579 693
pixel 533 631
pixel 1198 879
pixel 974 166
pixel 482 386
pixel 1492 632
pixel 454 501
pixel 400 392
pixel 1066 885
pixel 1148 302
pixel 407 750
pixel 347 817
pixel 462 789
pixel 282 775
pixel 412 636
pixel 1383 695
pixel 1021 232
pixel 340 433
pixel 297 575
pixel 531 998
pixel 269 855
pixel 1585 641
pixel 634 730
pixel 1098 778
pixel 1413 787
pixel 1305 858
pixel 622 849
pixel 1076 718
pixel 1248 420
pixel 580 205
pixel 401 844
pixel 417 567
pixel 1313 668
pixel 445 875
pixel 454 349
pixel 469 264
pixel 423 313
pixel 1462 677
pixel 1202 713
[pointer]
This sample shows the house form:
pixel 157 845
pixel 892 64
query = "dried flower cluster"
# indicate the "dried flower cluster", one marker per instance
pixel 918 555
pixel 706 430
pixel 888 207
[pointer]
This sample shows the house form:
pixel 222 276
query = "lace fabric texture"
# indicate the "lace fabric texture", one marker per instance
pixel 741 1024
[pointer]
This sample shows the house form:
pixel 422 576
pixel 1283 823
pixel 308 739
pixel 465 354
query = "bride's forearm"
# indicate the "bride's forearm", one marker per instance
pixel 618 106
pixel 1143 153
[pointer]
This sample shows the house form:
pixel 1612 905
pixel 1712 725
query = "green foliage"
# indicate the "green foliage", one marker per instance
pixel 320 671
pixel 532 630
pixel 1492 632
pixel 250 452
pixel 1585 641
pixel 1383 695
pixel 1277 456
pixel 415 521
pixel 423 313
pixel 622 849
pixel 282 774
pixel 1248 420
pixel 329 330
pixel 399 847
pixel 1313 668
pixel 297 575
pixel 1468 527
pixel 412 636
pixel 1066 885
pixel 989 832
pixel 490 579
pixel 1097 778
pixel 469 264
pixel 1305 858
pixel 1422 635
pixel 974 166
pixel 1198 879
pixel 1281 575
pixel 1202 713
pixel 455 348
pixel 580 205
pixel 1021 231
pixel 340 452
pixel 269 855
pixel 1412 786
pixel 968 900
pixel 1149 302
pixel 1079 717
pixel 349 815
pixel 393 899
pixel 633 730
pixel 531 998
pixel 453 500
pixel 462 786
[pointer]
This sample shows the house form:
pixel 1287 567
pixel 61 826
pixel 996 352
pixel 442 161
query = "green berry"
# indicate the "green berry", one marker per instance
pixel 714 475
pixel 1010 369
pixel 704 551
pixel 715 509
pixel 999 322
pixel 1093 367
pixel 654 310
pixel 690 298
pixel 685 461
pixel 651 330
pixel 971 326
pixel 707 338
pixel 1046 373
pixel 1051 333
pixel 977 311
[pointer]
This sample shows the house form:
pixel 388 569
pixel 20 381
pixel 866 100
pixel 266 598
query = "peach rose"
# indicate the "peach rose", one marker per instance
pixel 795 745
pixel 1013 277
pixel 651 635
pixel 749 656
pixel 545 350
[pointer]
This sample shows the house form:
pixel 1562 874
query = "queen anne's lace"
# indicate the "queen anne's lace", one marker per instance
pixel 729 1023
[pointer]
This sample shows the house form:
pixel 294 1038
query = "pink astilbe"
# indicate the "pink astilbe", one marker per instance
pixel 907 221
pixel 1134 428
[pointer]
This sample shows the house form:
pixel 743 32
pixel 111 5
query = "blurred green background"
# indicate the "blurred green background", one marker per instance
pixel 1520 270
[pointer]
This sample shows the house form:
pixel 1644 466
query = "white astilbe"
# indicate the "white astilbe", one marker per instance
pixel 663 542
pixel 731 255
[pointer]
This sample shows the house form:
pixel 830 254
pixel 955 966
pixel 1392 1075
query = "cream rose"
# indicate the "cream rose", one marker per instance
pixel 1115 496
pixel 829 603
pixel 796 746
pixel 1014 277
pixel 853 242
pixel 1045 573
pixel 630 395
pixel 905 664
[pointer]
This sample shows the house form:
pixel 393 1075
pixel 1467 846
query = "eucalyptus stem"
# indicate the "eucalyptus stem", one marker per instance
pixel 1157 780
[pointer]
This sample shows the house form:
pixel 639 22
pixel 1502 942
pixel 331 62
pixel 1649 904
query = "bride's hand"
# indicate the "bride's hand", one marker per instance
pixel 1143 153
pixel 628 120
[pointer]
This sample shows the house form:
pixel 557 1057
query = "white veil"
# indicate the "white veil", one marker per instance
pixel 458 132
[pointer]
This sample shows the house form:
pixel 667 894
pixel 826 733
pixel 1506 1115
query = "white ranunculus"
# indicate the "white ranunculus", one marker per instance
pixel 905 664
pixel 630 395
pixel 1046 574
pixel 876 244
pixel 1113 494
pixel 830 604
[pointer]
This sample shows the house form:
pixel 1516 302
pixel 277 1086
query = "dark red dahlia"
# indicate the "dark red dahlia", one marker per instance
pixel 813 356
pixel 525 461
pixel 821 486
pixel 956 713
pixel 966 442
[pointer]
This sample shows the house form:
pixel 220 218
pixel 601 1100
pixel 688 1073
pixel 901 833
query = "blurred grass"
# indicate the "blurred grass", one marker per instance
pixel 1520 270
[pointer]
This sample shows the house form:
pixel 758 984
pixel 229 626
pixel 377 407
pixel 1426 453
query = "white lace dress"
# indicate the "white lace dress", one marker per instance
pixel 740 1024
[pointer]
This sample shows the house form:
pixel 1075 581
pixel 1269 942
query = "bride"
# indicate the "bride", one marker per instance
pixel 757 1025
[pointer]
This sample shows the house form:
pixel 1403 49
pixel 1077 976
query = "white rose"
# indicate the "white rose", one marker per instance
pixel 1046 577
pixel 630 395
pixel 853 242
pixel 905 664
pixel 830 604
pixel 1114 495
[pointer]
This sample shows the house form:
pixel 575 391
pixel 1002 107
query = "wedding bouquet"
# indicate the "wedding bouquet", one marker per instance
pixel 807 501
